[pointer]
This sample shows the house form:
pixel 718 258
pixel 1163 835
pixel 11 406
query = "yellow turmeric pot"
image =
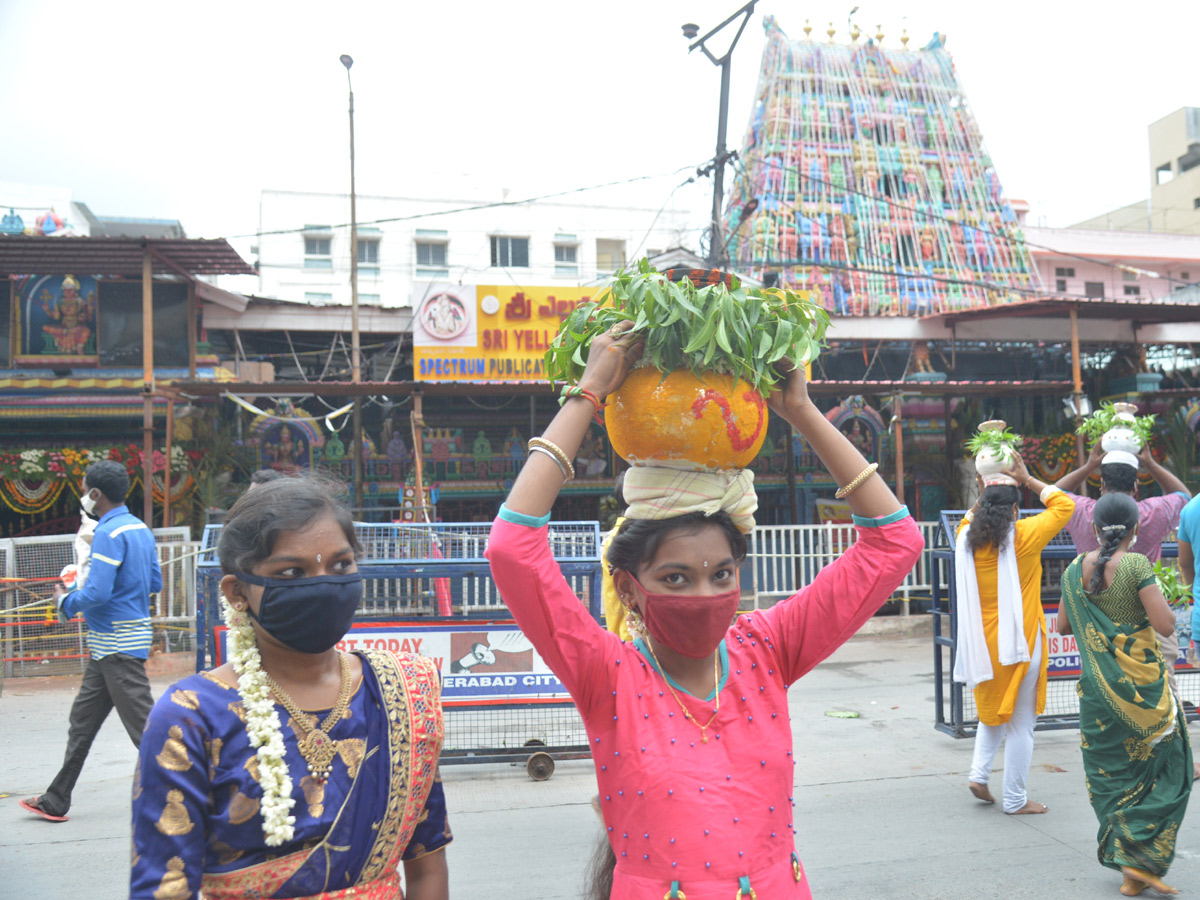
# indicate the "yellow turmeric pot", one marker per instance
pixel 713 422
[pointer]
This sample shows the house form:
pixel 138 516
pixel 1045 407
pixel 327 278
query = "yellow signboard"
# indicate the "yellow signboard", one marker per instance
pixel 487 333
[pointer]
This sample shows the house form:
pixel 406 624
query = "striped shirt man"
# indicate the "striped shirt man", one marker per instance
pixel 115 597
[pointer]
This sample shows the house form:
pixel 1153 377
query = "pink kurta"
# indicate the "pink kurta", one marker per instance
pixel 713 817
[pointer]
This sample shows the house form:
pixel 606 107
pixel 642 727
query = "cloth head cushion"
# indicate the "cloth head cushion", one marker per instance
pixel 1120 456
pixel 655 492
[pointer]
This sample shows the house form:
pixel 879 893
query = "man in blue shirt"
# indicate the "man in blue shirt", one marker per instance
pixel 115 602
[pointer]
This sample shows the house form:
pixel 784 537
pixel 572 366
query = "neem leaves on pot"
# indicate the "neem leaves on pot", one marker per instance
pixel 721 327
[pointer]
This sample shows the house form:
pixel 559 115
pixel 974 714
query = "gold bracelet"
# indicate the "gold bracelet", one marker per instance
pixel 857 482
pixel 564 462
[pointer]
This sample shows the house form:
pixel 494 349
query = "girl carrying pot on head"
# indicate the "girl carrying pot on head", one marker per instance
pixel 688 723
pixel 1001 645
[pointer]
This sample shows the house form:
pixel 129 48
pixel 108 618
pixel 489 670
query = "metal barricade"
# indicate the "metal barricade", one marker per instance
pixel 954 706
pixel 413 572
pixel 33 641
pixel 784 558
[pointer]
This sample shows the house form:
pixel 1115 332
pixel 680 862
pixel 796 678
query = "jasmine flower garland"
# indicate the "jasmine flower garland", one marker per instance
pixel 263 727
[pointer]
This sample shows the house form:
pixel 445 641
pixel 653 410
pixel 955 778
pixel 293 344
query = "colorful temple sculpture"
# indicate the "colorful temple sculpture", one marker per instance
pixel 864 179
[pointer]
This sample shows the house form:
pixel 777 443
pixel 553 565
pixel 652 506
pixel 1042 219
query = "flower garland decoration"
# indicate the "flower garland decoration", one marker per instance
pixel 37 464
pixel 263 726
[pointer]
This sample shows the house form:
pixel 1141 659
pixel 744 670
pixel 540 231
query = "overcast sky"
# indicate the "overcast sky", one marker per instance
pixel 188 110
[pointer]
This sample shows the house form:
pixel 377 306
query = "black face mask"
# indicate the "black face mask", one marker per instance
pixel 307 614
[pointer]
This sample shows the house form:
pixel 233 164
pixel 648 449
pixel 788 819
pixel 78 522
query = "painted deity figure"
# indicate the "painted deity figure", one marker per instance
pixel 850 226
pixel 928 244
pixel 73 314
pixel 287 452
pixel 397 450
pixel 859 437
pixel 481 449
pixel 936 183
pixel 335 450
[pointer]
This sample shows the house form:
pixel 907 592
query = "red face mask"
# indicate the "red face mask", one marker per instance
pixel 690 624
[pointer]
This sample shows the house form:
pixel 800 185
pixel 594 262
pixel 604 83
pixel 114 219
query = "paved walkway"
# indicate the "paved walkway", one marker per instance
pixel 882 805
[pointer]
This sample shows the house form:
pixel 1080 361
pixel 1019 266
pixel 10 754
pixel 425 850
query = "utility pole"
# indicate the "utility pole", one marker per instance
pixel 716 246
pixel 355 355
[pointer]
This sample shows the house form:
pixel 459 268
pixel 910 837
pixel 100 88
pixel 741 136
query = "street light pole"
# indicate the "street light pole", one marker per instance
pixel 355 356
pixel 716 247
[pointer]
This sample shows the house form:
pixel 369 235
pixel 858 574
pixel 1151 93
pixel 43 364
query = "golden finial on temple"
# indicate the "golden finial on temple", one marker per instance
pixel 855 33
pixel 831 32
pixel 807 30
pixel 879 33
pixel 904 38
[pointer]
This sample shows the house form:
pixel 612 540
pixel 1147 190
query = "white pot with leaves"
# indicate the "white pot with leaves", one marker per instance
pixel 1118 428
pixel 995 449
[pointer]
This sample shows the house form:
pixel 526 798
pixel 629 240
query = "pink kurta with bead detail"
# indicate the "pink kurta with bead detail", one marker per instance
pixel 677 809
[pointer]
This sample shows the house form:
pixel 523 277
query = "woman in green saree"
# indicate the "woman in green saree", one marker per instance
pixel 1136 751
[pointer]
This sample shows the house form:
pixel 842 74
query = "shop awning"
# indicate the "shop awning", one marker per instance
pixel 40 255
pixel 78 406
pixel 1138 310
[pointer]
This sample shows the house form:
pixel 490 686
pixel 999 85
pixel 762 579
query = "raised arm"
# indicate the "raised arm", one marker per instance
pixel 610 358
pixel 1158 611
pixel 1074 480
pixel 873 499
pixel 530 582
pixel 1167 480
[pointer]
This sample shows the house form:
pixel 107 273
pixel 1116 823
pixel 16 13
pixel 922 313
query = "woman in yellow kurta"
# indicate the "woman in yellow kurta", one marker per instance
pixel 999 575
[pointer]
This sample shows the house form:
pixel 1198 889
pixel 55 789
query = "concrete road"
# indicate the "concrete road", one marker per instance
pixel 883 809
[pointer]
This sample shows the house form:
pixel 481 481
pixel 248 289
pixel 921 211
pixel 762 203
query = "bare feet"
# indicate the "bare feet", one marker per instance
pixel 981 792
pixel 1031 808
pixel 1137 880
pixel 1195 770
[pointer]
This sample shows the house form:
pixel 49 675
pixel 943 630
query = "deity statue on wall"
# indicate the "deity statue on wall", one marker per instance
pixel 335 450
pixel 74 316
pixel 397 450
pixel 286 452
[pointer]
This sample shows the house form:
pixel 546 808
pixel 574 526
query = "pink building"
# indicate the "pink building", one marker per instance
pixel 1082 262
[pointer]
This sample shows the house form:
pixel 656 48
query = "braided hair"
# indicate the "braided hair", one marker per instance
pixel 1114 517
pixel 989 528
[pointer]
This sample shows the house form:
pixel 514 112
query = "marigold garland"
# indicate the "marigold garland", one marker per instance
pixel 263 726
pixel 26 501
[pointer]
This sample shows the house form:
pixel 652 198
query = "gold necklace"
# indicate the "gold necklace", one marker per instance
pixel 716 692
pixel 315 745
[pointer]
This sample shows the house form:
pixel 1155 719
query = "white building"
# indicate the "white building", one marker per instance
pixel 303 248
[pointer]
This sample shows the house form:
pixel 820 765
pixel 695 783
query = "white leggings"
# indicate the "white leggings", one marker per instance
pixel 1017 735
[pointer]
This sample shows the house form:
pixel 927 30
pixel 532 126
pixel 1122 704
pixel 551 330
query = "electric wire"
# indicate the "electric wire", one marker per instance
pixel 472 208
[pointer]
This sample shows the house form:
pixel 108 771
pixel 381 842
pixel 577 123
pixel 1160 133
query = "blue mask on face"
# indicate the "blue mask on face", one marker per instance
pixel 307 614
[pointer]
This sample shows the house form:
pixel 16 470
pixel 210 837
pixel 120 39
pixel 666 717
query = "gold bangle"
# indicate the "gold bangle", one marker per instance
pixel 857 481
pixel 564 462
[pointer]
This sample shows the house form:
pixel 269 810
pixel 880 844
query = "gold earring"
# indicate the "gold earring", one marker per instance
pixel 635 623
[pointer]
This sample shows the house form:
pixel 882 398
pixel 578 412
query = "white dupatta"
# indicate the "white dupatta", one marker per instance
pixel 972 663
